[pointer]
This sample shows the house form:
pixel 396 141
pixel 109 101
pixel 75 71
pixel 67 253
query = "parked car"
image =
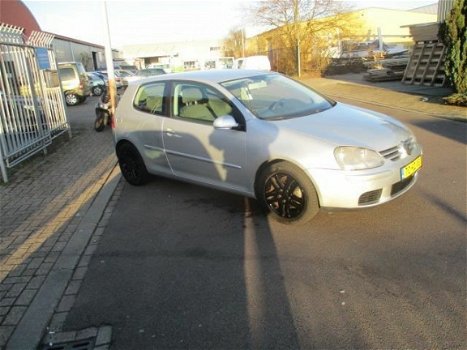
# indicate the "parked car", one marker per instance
pixel 143 73
pixel 119 75
pixel 74 81
pixel 97 83
pixel 253 62
pixel 265 136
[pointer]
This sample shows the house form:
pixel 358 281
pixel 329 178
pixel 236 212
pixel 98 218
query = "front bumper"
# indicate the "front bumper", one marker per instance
pixel 366 188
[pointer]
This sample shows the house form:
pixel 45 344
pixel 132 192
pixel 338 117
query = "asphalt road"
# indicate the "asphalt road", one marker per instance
pixel 181 266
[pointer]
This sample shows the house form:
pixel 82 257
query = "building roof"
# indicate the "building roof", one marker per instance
pixel 76 41
pixel 429 9
pixel 14 12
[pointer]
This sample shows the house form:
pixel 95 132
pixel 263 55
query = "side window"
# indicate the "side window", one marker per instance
pixel 151 98
pixel 199 102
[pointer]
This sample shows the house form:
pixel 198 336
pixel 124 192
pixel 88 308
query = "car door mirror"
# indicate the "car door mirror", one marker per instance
pixel 225 122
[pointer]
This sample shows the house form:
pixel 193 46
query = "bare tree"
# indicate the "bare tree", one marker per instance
pixel 298 23
pixel 234 43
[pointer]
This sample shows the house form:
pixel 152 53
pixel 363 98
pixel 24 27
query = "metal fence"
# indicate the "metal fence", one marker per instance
pixel 31 100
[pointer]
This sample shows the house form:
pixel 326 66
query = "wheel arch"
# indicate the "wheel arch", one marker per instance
pixel 122 142
pixel 270 162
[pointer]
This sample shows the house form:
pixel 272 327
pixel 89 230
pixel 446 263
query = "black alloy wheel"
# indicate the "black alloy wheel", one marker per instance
pixel 288 193
pixel 132 165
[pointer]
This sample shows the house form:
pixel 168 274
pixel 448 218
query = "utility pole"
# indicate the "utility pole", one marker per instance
pixel 109 62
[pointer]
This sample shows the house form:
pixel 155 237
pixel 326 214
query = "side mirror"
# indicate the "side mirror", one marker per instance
pixel 225 122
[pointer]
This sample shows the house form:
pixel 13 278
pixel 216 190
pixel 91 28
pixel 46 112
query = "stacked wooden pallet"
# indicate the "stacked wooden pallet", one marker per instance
pixel 426 65
pixel 385 70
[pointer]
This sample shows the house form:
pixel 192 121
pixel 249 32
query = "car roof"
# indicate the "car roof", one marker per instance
pixel 212 76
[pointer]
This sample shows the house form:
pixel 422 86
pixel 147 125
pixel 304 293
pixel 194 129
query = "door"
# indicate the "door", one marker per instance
pixel 195 149
pixel 151 109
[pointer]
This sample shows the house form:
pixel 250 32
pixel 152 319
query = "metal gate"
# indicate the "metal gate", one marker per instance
pixel 31 100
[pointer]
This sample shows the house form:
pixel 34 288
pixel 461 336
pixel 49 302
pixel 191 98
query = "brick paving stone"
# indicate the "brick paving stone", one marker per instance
pixel 58 247
pixel 66 303
pixel 18 270
pixel 35 263
pixel 84 261
pixel 36 282
pixel 29 272
pixel 57 321
pixel 52 257
pixel 5 287
pixel 14 280
pixel 14 316
pixel 73 287
pixel 4 310
pixel 16 290
pixel 90 249
pixel 44 268
pixel 7 301
pixel 79 273
pixel 26 297
pixel 5 332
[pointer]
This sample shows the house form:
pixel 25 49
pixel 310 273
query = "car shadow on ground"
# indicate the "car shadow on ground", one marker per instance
pixel 454 130
pixel 185 266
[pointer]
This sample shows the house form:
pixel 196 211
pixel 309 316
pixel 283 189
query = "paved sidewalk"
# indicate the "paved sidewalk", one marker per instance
pixel 49 211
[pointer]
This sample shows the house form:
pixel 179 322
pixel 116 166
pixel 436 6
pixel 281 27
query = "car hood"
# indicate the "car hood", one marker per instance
pixel 345 125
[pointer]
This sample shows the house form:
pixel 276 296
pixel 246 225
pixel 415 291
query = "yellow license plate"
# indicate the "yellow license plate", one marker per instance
pixel 411 168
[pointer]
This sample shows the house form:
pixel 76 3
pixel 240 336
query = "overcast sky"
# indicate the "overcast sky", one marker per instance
pixel 140 22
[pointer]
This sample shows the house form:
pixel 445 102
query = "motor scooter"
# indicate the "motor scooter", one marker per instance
pixel 103 112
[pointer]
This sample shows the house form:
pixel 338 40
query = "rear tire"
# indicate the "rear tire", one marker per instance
pixel 132 165
pixel 99 123
pixel 71 99
pixel 288 193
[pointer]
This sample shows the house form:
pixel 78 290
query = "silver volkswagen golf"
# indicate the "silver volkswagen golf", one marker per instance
pixel 265 136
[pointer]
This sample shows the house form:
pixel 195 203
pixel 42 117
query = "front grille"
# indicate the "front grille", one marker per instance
pixel 370 197
pixel 400 151
pixel 392 153
pixel 399 186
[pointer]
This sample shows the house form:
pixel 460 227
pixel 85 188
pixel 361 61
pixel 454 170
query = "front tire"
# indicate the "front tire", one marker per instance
pixel 97 90
pixel 132 165
pixel 287 193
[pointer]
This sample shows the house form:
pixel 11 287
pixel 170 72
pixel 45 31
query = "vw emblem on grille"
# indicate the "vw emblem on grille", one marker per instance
pixel 407 145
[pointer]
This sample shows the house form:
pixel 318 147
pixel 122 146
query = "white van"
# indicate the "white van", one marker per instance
pixel 253 62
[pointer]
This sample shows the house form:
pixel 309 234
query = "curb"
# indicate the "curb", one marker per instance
pixel 29 331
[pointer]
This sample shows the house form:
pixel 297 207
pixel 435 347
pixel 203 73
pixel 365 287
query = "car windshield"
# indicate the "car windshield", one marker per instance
pixel 273 96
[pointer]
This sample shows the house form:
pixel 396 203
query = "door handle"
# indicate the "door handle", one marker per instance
pixel 170 132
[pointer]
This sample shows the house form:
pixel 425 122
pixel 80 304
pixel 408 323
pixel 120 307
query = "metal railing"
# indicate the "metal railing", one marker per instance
pixel 31 100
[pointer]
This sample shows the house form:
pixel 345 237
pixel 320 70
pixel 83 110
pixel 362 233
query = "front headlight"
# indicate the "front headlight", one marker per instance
pixel 357 158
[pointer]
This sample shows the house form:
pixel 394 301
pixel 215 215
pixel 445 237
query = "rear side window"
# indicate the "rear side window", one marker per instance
pixel 67 73
pixel 151 98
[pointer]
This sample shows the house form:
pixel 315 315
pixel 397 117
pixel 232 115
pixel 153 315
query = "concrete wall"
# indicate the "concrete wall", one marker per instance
pixel 68 51
pixel 179 52
pixel 391 21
